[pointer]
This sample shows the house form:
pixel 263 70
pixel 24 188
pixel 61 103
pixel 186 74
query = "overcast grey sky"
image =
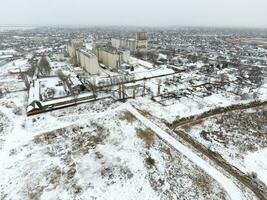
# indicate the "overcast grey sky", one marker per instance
pixel 246 13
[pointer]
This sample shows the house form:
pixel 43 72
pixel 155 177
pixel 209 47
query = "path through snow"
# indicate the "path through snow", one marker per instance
pixel 232 190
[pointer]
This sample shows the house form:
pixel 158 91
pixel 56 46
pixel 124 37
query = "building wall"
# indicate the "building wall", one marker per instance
pixel 124 43
pixel 71 50
pixel 81 59
pixel 131 44
pixel 110 59
pixel 142 45
pixel 116 43
pixel 126 56
pixel 77 43
pixel 89 63
pixel 141 36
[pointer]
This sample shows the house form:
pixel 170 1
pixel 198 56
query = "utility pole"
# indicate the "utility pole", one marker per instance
pixel 144 88
pixel 134 92
pixel 159 85
pixel 119 91
pixel 123 92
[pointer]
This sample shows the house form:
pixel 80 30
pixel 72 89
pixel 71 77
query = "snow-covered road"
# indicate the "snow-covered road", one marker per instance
pixel 231 189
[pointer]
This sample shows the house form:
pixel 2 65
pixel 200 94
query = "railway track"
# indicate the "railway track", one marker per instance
pixel 40 111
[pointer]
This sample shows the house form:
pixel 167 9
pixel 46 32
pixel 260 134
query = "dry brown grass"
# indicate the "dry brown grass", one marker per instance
pixel 128 116
pixel 189 126
pixel 202 181
pixel 49 137
pixel 35 191
pixel 146 135
pixel 204 186
pixel 53 175
pixel 145 113
pixel 150 162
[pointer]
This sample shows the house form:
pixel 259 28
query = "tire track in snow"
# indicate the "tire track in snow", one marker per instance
pixel 231 189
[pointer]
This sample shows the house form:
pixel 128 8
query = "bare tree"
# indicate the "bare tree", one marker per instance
pixel 63 78
pixel 32 70
pixel 241 80
pixel 44 66
pixel 24 77
pixel 223 80
pixel 1 92
pixel 256 76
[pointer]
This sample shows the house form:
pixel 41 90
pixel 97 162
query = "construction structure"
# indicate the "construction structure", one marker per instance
pixel 138 44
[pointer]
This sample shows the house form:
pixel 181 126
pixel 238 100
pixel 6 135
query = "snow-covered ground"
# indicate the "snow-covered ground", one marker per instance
pixel 108 154
pixel 239 137
pixel 232 190
pixel 20 63
pixel 91 151
pixel 51 85
pixel 143 63
pixel 191 99
pixel 101 150
pixel 257 162
pixel 185 107
pixel 8 52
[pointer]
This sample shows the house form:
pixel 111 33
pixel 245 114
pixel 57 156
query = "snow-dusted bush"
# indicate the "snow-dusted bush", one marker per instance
pixel 49 93
pixel 17 111
pixel 10 104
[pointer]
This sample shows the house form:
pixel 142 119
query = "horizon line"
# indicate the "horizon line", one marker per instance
pixel 138 26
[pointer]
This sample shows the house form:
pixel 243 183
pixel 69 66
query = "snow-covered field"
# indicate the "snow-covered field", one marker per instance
pixel 239 137
pixel 101 150
pixel 92 152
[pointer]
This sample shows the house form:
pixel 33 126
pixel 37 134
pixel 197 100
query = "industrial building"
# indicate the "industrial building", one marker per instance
pixel 87 60
pixel 138 44
pixel 112 57
pixel 124 43
pixel 109 56
pixel 75 44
